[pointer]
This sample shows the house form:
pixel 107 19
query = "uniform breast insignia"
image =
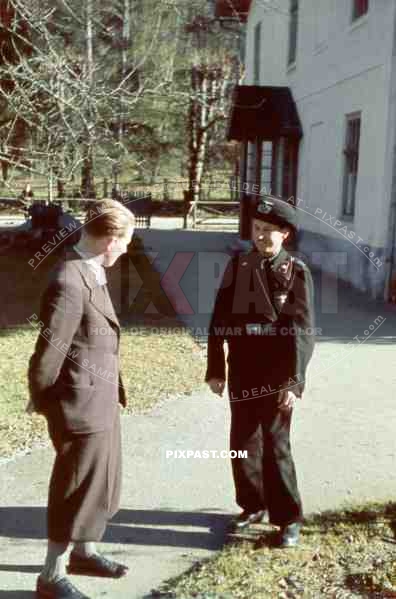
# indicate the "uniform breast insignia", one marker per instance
pixel 285 269
pixel 280 299
pixel 284 278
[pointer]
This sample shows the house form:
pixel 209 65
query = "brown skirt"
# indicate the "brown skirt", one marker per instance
pixel 85 484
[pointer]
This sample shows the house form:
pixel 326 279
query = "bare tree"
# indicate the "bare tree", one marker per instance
pixel 79 90
pixel 214 71
pixel 132 84
pixel 209 103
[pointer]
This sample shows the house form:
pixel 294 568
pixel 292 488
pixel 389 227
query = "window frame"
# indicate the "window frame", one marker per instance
pixel 293 32
pixel 357 14
pixel 350 172
pixel 257 53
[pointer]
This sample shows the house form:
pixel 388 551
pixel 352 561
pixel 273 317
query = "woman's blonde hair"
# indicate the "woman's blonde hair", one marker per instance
pixel 108 218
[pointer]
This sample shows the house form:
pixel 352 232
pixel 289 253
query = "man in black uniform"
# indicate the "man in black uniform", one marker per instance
pixel 264 310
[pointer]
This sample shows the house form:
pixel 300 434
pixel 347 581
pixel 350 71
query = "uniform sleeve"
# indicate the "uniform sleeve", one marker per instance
pixel 60 317
pixel 216 367
pixel 303 322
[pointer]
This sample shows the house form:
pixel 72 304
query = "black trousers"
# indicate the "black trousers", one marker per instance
pixel 266 479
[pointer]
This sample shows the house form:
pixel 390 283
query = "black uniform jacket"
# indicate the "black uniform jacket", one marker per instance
pixel 264 310
pixel 73 374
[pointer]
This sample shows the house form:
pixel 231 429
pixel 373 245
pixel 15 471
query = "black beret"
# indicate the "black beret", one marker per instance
pixel 276 211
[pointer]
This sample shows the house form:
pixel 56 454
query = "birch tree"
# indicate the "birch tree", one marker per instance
pixel 132 85
pixel 214 71
pixel 80 89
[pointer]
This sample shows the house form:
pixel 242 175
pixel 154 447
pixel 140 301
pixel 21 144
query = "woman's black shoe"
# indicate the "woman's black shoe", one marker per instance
pixel 58 589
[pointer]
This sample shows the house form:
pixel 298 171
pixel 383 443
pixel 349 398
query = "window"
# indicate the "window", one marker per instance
pixel 293 23
pixel 251 164
pixel 279 166
pixel 351 162
pixel 360 8
pixel 257 53
pixel 260 164
pixel 266 166
pixel 6 14
pixel 285 167
pixel 276 162
pixel 289 169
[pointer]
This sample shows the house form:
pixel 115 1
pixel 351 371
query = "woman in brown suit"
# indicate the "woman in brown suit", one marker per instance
pixel 75 383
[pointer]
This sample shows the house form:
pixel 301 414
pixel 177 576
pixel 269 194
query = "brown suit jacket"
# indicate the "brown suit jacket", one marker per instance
pixel 74 377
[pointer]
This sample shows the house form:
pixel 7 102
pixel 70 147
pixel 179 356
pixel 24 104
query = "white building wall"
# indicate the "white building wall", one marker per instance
pixel 321 167
pixel 274 31
pixel 341 68
pixel 390 173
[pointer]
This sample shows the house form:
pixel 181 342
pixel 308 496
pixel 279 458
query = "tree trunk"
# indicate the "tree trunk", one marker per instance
pixel 198 130
pixel 126 38
pixel 4 170
pixel 87 176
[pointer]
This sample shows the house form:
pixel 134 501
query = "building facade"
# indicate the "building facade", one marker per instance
pixel 316 120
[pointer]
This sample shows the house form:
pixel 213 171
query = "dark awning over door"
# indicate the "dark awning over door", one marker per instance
pixel 263 113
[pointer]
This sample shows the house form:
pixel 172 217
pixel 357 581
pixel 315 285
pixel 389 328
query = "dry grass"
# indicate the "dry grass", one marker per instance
pixel 153 368
pixel 342 555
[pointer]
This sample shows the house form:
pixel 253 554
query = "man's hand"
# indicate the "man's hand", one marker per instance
pixel 287 400
pixel 217 386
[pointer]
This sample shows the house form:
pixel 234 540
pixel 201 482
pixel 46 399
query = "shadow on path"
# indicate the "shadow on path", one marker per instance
pixel 17 595
pixel 135 527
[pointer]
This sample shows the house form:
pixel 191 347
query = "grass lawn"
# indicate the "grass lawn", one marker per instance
pixel 343 555
pixel 153 365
